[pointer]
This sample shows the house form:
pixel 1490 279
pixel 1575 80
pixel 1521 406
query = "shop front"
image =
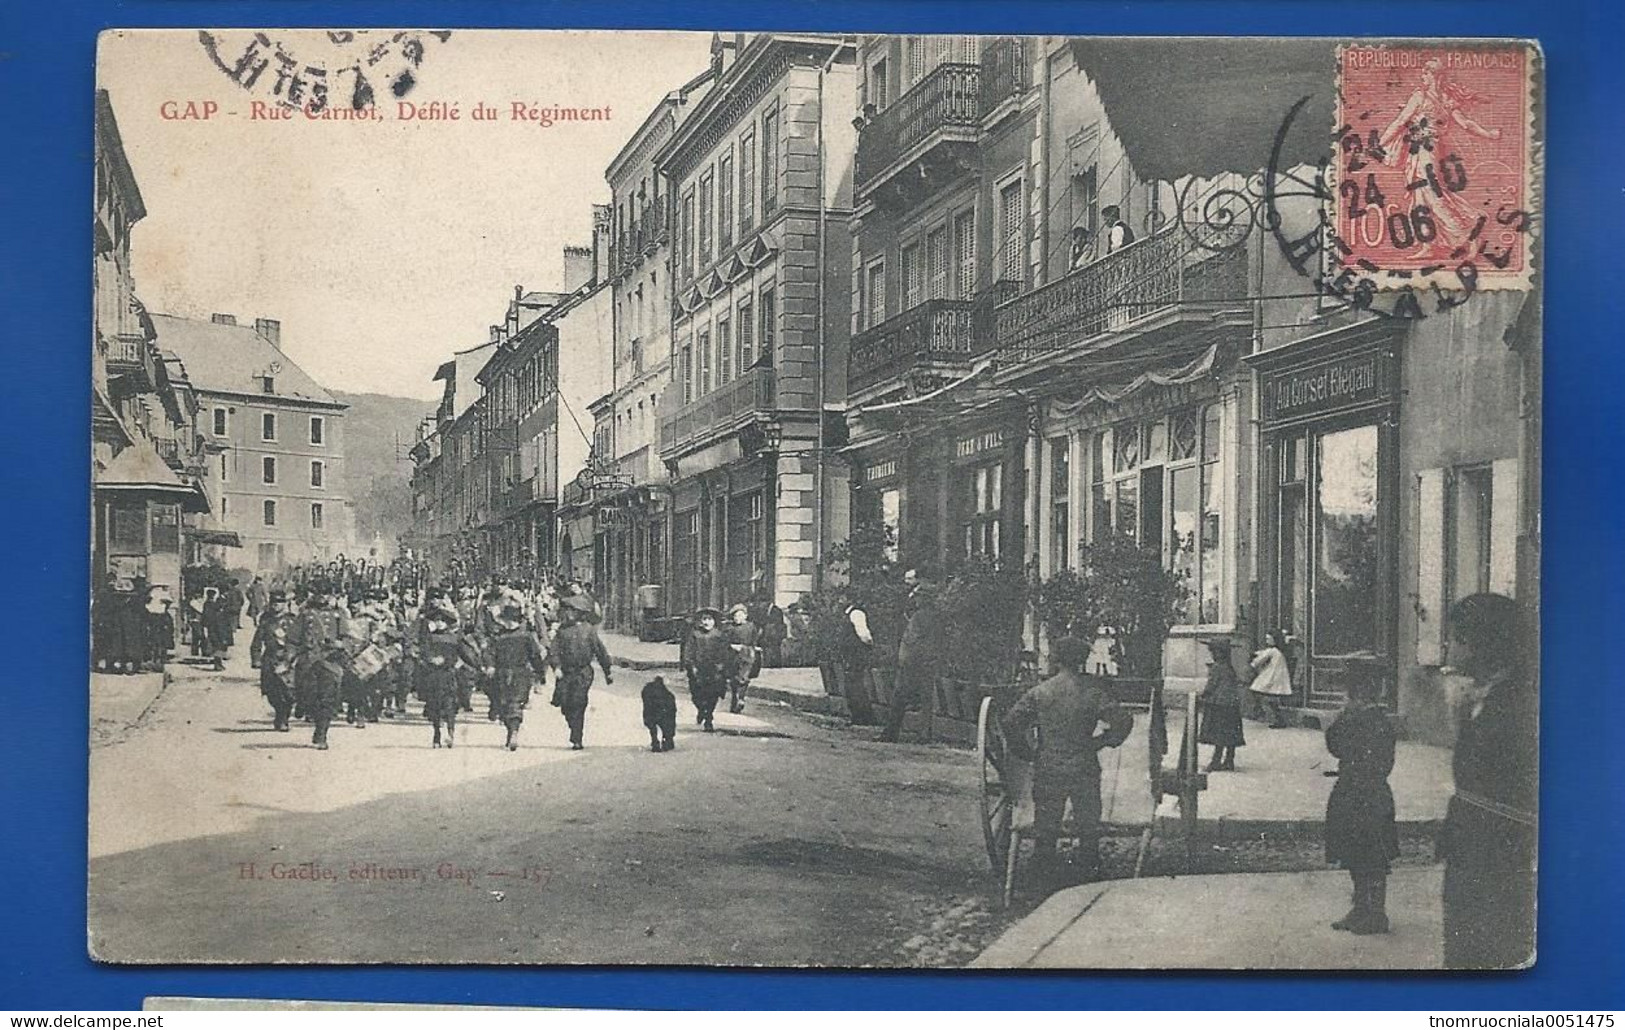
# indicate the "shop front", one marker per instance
pixel 1328 493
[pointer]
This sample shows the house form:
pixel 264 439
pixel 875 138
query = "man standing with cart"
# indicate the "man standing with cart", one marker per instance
pixel 1057 726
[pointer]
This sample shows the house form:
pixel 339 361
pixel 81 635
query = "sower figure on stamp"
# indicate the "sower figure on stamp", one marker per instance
pixel 744 660
pixel 272 649
pixel 704 656
pixel 319 670
pixel 1054 725
pixel 575 648
pixel 517 660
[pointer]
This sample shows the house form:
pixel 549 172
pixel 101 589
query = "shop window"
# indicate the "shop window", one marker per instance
pixel 166 529
pixel 891 521
pixel 1347 566
pixel 127 529
pixel 1160 483
pixel 1060 492
pixel 982 529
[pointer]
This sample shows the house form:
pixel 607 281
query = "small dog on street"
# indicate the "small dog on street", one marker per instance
pixel 660 714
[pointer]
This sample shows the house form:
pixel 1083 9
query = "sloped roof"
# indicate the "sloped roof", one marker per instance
pixel 228 358
pixel 139 468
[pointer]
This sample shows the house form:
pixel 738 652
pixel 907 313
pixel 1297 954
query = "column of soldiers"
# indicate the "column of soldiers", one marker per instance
pixel 320 655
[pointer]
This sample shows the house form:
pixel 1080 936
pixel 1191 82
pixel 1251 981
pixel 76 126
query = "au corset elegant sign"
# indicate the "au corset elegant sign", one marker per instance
pixel 1336 385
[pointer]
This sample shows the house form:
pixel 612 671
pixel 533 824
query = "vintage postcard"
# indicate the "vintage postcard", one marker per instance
pixel 783 499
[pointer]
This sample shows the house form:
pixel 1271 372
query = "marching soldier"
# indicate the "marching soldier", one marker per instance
pixel 516 656
pixel 322 656
pixel 442 652
pixel 576 647
pixel 272 652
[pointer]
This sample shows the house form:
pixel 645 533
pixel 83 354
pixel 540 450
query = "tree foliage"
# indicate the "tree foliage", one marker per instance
pixel 1119 588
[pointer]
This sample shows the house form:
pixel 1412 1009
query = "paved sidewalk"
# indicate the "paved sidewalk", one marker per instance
pixel 1233 921
pixel 118 701
pixel 1280 777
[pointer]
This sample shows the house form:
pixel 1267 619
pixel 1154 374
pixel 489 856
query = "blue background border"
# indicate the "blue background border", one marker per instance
pixel 46 81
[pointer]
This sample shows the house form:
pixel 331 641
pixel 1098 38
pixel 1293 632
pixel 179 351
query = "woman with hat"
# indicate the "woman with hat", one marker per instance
pixel 516 656
pixel 704 656
pixel 744 659
pixel 1221 708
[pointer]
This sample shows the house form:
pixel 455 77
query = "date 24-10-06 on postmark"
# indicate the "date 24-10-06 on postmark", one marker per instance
pixel 1433 168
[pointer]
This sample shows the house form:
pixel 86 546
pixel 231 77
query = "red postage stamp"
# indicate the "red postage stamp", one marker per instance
pixel 1435 167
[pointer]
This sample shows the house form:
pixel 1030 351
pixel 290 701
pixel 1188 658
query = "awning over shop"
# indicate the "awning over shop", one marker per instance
pixel 1206 106
pixel 139 470
pixel 222 537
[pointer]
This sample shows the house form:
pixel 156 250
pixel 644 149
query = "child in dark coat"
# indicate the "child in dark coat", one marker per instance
pixel 1221 708
pixel 1361 834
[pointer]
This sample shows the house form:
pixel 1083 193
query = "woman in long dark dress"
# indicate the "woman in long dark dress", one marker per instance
pixel 1489 839
pixel 1361 834
pixel 1221 708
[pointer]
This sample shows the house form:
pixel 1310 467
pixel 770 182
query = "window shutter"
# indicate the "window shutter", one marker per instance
pixel 1430 602
pixel 1504 504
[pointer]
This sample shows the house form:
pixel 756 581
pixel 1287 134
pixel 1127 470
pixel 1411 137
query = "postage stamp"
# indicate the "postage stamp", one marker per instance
pixel 1433 164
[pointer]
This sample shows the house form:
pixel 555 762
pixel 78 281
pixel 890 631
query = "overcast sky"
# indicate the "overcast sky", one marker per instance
pixel 381 246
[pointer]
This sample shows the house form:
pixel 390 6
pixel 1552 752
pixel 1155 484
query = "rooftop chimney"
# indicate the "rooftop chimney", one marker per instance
pixel 270 329
pixel 218 319
pixel 578 270
pixel 602 223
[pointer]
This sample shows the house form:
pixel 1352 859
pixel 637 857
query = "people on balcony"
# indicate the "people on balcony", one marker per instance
pixel 1117 232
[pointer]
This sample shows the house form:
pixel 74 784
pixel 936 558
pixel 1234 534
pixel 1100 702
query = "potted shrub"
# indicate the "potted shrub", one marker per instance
pixel 1119 589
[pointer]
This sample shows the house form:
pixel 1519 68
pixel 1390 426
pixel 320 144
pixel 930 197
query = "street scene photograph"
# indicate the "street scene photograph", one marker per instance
pixel 801 499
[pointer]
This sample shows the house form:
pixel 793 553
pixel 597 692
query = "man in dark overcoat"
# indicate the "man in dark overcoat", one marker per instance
pixel 517 661
pixel 575 648
pixel 917 653
pixel 320 643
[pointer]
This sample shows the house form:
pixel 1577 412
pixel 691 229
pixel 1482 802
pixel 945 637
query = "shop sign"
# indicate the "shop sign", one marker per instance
pixel 971 446
pixel 1345 383
pixel 880 470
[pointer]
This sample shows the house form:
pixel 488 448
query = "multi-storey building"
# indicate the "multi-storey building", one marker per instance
pixel 1131 360
pixel 146 454
pixel 759 179
pixel 276 438
pixel 630 502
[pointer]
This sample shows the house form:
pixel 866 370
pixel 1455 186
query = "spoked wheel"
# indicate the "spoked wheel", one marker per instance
pixel 997 804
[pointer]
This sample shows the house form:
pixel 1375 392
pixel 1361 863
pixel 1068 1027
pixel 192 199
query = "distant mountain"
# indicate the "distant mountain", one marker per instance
pixel 379 430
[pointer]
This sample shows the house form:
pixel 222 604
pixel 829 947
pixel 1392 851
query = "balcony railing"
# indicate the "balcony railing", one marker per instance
pixel 170 451
pixel 1005 72
pixel 1147 276
pixel 724 406
pixel 938 331
pixel 949 97
pixel 132 356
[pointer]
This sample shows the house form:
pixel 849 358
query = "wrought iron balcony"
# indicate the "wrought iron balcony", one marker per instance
pixel 132 359
pixel 170 451
pixel 1005 72
pixel 937 332
pixel 941 114
pixel 724 408
pixel 1158 275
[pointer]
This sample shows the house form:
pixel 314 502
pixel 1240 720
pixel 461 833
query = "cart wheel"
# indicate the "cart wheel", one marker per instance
pixel 997 805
